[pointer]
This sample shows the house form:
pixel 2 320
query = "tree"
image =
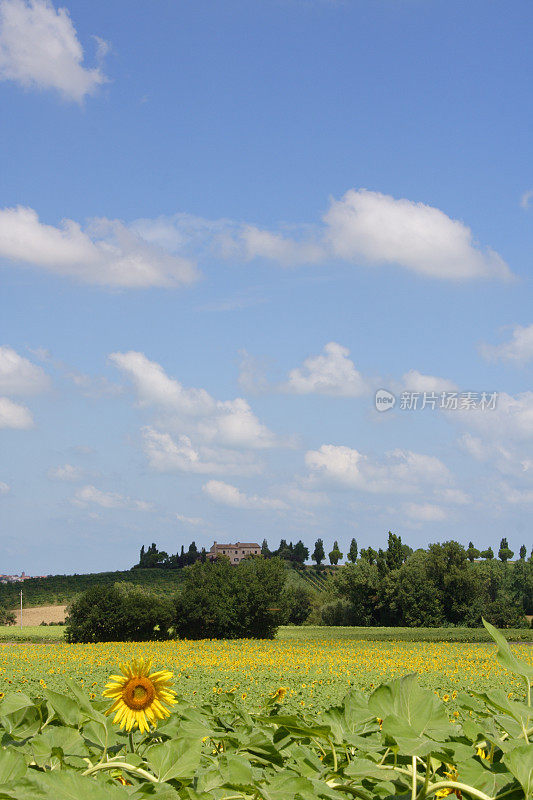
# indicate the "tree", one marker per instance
pixel 352 552
pixel 192 554
pixel 7 617
pixel 504 553
pixel 488 554
pixel 118 613
pixel 368 554
pixel 223 601
pixel 295 603
pixel 359 585
pixel 265 552
pixel 395 552
pixel 300 553
pixel 335 555
pixel 523 552
pixel 318 553
pixel 472 552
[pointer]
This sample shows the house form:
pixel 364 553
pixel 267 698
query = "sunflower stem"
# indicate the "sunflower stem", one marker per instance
pixel 130 739
pixel 121 765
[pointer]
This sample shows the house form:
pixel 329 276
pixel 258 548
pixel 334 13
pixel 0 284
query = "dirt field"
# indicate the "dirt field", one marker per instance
pixel 34 616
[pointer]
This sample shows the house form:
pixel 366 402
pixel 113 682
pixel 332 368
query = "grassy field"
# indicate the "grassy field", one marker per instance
pixel 317 671
pixel 400 634
pixel 303 633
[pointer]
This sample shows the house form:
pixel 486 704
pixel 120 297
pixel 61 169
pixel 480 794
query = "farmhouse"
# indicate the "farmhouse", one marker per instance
pixel 235 552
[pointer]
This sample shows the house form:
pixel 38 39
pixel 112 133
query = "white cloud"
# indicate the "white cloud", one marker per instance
pixel 526 198
pixel 380 229
pixel 154 387
pixel 414 381
pixel 228 495
pixel 108 253
pixel 454 496
pixel 259 243
pixel 400 471
pixel 13 415
pixel 230 423
pixel 363 227
pixel 424 512
pixel 66 472
pixel 194 521
pixel 165 454
pixel 297 496
pixel 5 488
pixel 19 376
pixel 517 496
pixel 332 373
pixel 90 495
pixel 39 49
pixel 519 349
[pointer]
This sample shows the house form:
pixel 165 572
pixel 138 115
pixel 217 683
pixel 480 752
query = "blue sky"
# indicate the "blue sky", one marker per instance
pixel 223 227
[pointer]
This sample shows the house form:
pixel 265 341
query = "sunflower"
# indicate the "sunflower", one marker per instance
pixel 139 695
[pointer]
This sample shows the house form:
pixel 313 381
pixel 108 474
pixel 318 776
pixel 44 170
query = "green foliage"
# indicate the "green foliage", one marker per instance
pixel 335 555
pixel 505 553
pixel 7 617
pixel 118 613
pixel 337 612
pixel 398 742
pixel 318 553
pixel 472 552
pixel 353 552
pixel 224 601
pixel 487 553
pixel 56 589
pixel 434 587
pixel 296 603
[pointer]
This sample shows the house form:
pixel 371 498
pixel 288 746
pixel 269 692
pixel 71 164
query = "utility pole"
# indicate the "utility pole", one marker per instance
pixel 21 609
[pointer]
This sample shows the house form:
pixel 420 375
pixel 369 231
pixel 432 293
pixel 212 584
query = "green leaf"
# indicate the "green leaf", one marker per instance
pixel 12 766
pixel 297 726
pixel 413 710
pixel 490 779
pixel 66 709
pixel 66 785
pixel 520 763
pixel 506 657
pixel 178 758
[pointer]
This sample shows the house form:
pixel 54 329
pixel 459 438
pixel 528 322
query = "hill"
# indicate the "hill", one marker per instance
pixel 61 589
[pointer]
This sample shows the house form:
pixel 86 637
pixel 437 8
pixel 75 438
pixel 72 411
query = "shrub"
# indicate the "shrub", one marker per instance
pixel 7 617
pixel 221 601
pixel 296 603
pixel 338 612
pixel 118 613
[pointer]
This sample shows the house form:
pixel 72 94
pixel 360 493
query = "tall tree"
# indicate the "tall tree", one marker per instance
pixel 488 554
pixel 504 553
pixel 353 552
pixel 335 555
pixel 395 553
pixel 265 552
pixel 472 552
pixel 300 553
pixel 523 552
pixel 318 553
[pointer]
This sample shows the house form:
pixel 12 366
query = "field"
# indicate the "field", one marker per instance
pixel 316 670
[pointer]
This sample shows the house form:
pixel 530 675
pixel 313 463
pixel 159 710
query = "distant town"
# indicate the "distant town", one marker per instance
pixel 19 578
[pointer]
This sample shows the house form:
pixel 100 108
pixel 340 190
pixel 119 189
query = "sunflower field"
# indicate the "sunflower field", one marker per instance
pixel 316 671
pixel 143 739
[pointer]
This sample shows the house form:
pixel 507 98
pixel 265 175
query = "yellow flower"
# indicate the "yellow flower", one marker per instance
pixel 481 753
pixel 280 693
pixel 445 697
pixel 139 695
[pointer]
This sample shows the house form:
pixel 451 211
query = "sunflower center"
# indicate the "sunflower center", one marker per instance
pixel 138 693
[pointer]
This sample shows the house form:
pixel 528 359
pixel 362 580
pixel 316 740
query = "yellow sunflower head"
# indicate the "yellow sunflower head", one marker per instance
pixel 139 696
